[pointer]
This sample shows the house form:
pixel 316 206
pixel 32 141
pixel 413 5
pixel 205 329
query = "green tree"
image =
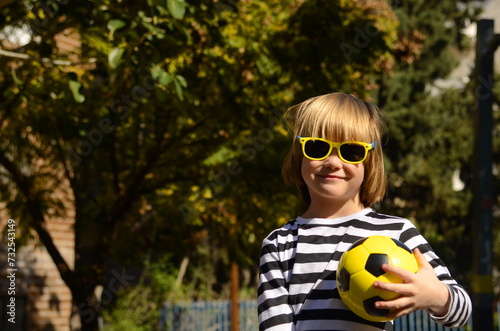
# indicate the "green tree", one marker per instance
pixel 430 130
pixel 118 132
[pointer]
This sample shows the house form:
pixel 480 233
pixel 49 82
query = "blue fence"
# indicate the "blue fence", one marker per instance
pixel 216 316
pixel 420 321
pixel 207 315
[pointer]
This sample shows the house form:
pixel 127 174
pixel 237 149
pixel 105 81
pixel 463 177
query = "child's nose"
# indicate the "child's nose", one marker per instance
pixel 333 160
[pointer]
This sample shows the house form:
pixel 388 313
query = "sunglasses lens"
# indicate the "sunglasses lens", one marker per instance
pixel 316 149
pixel 352 152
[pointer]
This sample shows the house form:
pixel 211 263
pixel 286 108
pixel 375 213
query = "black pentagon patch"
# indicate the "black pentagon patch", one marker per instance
pixel 400 244
pixel 357 243
pixel 369 305
pixel 344 280
pixel 374 264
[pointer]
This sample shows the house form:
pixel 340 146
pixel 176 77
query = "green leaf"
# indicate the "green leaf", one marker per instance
pixel 75 86
pixel 178 89
pixel 222 156
pixel 114 25
pixel 115 57
pixel 181 80
pixel 177 8
pixel 155 31
pixel 160 75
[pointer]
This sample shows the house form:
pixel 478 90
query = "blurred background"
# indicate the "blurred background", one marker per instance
pixel 141 144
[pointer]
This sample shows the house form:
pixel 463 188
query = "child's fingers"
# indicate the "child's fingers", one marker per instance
pixel 421 260
pixel 399 288
pixel 396 304
pixel 404 274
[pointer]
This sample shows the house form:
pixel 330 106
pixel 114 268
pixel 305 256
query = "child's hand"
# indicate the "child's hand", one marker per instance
pixel 421 290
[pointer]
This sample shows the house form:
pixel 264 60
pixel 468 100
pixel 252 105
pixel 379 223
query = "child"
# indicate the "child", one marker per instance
pixel 340 182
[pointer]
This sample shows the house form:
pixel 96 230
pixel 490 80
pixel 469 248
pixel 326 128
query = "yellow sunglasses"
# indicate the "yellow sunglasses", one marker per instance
pixel 348 151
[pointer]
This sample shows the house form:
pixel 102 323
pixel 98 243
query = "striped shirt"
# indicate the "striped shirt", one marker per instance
pixel 298 264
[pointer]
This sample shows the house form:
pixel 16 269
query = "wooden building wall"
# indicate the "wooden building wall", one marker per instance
pixel 39 288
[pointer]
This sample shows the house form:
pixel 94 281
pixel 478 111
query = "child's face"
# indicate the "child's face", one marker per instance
pixel 333 180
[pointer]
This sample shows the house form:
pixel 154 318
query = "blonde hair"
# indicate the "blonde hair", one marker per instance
pixel 338 117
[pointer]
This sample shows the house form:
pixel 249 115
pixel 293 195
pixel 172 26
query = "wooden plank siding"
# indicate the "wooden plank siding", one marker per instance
pixel 48 301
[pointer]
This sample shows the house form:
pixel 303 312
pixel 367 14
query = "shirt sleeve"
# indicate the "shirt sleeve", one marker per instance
pixel 460 308
pixel 460 302
pixel 275 312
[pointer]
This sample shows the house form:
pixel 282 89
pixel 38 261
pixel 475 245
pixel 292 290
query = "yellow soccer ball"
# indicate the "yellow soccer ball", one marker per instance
pixel 361 265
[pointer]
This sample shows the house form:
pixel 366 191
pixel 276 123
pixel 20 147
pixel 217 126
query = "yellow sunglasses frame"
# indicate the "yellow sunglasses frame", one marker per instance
pixel 367 146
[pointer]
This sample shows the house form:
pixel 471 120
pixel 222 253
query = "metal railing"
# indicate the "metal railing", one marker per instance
pixel 207 315
pixel 216 316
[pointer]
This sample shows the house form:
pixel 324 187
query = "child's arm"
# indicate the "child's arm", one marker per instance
pixel 424 290
pixel 275 312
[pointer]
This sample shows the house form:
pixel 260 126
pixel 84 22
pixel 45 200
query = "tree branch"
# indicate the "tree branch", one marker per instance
pixel 23 56
pixel 34 205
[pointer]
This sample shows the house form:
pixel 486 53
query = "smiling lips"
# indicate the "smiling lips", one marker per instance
pixel 332 177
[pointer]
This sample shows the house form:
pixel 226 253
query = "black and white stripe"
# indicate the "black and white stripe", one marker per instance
pixel 298 264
